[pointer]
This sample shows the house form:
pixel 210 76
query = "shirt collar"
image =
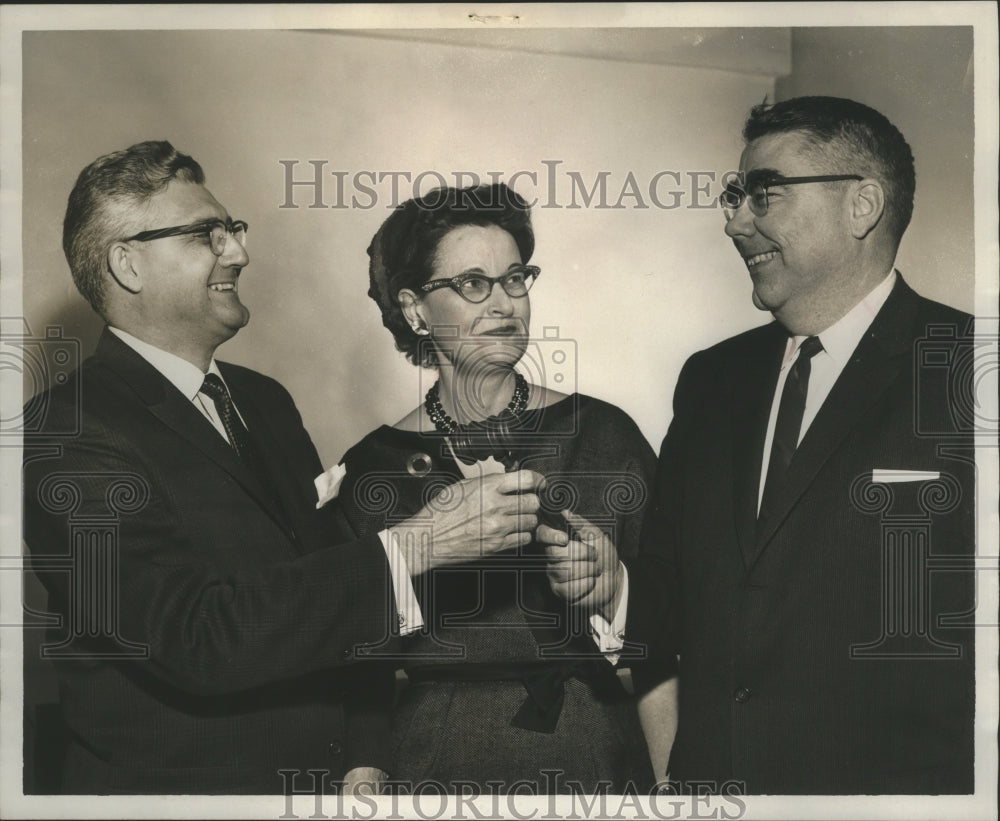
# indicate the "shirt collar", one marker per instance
pixel 841 338
pixel 180 373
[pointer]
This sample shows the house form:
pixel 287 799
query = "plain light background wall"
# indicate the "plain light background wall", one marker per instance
pixel 635 290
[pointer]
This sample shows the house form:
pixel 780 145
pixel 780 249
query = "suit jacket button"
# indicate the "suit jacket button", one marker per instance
pixel 742 695
pixel 334 748
pixel 347 653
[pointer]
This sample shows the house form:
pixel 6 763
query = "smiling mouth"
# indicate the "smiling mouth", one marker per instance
pixel 221 287
pixel 757 259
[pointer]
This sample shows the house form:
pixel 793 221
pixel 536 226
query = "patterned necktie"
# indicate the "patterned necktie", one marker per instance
pixel 239 438
pixel 789 421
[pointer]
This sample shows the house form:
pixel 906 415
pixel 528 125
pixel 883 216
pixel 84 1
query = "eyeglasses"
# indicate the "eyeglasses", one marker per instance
pixel 217 231
pixel 478 287
pixel 754 192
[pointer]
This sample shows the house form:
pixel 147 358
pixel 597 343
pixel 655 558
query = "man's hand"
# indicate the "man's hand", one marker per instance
pixel 471 519
pixel 364 781
pixel 584 570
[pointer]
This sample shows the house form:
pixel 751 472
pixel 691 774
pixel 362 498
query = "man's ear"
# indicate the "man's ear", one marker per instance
pixel 867 207
pixel 121 267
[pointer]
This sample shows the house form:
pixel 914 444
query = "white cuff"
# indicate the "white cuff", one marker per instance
pixel 610 638
pixel 408 615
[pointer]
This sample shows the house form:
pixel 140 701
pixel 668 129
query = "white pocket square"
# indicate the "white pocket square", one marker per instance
pixel 328 484
pixel 887 476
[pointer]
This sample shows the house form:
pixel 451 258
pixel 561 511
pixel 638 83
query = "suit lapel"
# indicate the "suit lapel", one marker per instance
pixel 268 446
pixel 750 401
pixel 177 412
pixel 872 370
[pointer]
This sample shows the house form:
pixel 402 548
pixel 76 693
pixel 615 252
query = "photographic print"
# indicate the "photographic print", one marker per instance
pixel 503 411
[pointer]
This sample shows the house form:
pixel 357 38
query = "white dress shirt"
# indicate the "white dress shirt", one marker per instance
pixel 188 379
pixel 839 342
pixel 180 373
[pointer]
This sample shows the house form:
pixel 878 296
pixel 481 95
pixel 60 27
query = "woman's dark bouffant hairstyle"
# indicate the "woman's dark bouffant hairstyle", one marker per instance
pixel 403 251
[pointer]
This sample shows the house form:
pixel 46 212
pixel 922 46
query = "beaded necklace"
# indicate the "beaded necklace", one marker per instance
pixel 445 424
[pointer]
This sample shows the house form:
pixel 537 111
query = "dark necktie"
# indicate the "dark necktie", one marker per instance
pixel 789 421
pixel 239 438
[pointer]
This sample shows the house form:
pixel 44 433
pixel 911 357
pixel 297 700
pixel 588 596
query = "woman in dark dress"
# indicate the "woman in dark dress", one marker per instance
pixel 504 681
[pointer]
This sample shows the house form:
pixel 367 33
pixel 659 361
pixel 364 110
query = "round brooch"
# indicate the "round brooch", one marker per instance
pixel 419 464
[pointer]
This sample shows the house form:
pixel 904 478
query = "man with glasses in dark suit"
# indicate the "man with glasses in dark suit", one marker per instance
pixel 808 552
pixel 212 608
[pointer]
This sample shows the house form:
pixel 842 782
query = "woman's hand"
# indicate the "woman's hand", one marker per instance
pixel 584 570
pixel 472 519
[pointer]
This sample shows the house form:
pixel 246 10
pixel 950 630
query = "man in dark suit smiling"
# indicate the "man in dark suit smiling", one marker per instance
pixel 206 597
pixel 808 550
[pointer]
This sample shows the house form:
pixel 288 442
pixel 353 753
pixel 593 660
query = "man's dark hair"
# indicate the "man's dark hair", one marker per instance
pixel 850 138
pixel 103 204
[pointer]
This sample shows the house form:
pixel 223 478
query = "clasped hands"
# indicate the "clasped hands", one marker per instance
pixel 477 517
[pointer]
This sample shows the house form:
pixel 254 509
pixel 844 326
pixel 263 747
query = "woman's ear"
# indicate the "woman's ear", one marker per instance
pixel 121 268
pixel 410 305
